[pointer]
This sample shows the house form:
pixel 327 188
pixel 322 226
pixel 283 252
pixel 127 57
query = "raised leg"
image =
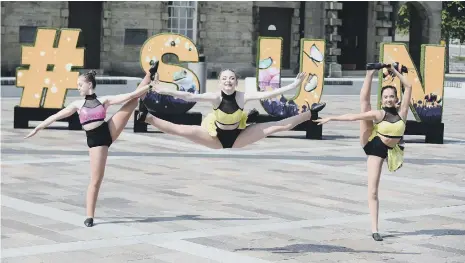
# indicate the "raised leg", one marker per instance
pixel 366 127
pixel 193 133
pixel 118 121
pixel 98 159
pixel 374 165
pixel 258 131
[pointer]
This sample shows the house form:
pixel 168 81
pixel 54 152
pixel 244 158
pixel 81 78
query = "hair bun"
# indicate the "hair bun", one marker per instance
pixel 93 73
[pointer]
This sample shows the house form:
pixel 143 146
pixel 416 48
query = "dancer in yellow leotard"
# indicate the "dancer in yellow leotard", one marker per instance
pixel 226 126
pixel 381 133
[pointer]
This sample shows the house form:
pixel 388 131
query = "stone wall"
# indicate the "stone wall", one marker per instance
pixel 16 14
pixel 384 13
pixel 116 57
pixel 227 31
pixel 433 13
pixel 225 36
pixel 383 26
pixel 371 32
pixel 332 23
pixel 430 14
pixel 314 20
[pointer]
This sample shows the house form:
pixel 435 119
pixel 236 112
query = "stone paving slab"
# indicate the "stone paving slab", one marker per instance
pixel 283 199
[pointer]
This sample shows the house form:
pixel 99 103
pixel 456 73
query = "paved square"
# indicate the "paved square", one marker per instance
pixel 284 199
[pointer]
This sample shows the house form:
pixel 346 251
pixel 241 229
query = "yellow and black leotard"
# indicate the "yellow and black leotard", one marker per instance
pixel 392 126
pixel 227 113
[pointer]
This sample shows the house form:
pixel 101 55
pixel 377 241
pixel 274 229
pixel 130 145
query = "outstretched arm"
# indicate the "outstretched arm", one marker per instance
pixel 142 88
pixel 117 99
pixel 374 115
pixel 406 97
pixel 270 94
pixel 187 96
pixel 66 112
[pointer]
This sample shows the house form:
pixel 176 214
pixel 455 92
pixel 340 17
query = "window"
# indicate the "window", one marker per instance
pixel 183 18
pixel 133 36
pixel 27 34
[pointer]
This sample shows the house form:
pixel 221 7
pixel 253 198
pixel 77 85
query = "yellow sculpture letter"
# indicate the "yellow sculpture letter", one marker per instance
pixel 269 69
pixel 427 88
pixel 50 62
pixel 184 79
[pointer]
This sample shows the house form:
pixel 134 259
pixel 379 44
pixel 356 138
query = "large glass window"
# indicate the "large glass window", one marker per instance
pixel 183 18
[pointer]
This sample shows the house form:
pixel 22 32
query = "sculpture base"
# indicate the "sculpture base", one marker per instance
pixel 434 132
pixel 22 116
pixel 188 118
pixel 312 129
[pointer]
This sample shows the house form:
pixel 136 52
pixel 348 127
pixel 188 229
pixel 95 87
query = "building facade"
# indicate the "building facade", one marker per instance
pixel 225 32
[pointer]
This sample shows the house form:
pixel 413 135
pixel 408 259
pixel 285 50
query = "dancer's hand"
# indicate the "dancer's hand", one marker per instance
pixel 32 133
pixel 322 121
pixel 390 70
pixel 300 78
pixel 394 70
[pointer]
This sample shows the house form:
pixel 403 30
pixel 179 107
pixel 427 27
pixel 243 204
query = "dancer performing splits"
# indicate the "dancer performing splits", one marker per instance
pixel 381 139
pixel 226 126
pixel 100 133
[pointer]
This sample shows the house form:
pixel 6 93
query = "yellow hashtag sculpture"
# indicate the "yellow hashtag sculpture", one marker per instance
pixel 50 61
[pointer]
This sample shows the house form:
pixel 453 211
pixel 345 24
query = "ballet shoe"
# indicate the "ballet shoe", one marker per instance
pixel 377 237
pixel 252 116
pixel 143 111
pixel 377 66
pixel 89 222
pixel 317 107
pixel 153 69
pixel 142 115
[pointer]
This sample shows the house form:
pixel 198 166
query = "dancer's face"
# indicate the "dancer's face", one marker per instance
pixel 84 86
pixel 389 98
pixel 228 81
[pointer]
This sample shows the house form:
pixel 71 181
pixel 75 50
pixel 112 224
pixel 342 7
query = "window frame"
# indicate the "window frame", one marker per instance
pixel 128 41
pixel 25 29
pixel 179 5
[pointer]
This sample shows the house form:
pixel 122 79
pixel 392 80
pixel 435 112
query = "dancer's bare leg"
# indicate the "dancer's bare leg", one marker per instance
pixel 98 158
pixel 98 155
pixel 374 165
pixel 193 133
pixel 118 121
pixel 258 131
pixel 366 127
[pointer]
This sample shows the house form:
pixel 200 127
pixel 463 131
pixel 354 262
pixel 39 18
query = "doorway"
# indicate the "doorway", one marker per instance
pixel 417 28
pixel 88 17
pixel 276 22
pixel 353 33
